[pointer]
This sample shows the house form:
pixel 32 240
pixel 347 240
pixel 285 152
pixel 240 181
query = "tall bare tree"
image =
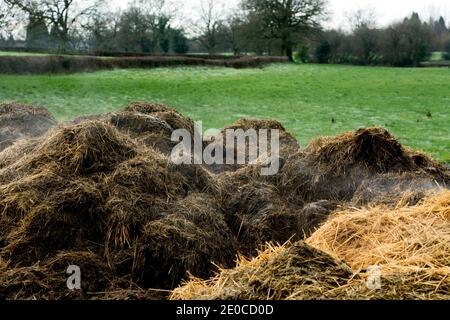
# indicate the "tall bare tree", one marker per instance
pixel 287 20
pixel 365 35
pixel 9 18
pixel 208 25
pixel 3 13
pixel 159 15
pixel 362 17
pixel 61 15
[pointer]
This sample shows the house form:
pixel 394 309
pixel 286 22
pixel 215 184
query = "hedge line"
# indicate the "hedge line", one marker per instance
pixel 69 64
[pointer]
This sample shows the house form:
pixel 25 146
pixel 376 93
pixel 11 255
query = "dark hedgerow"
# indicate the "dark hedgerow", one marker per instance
pixel 68 64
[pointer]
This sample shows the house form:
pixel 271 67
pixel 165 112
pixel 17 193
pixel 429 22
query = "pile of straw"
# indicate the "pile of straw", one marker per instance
pixel 402 239
pixel 410 244
pixel 295 271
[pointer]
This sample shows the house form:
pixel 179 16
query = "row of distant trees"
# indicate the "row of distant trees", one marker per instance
pixel 89 25
pixel 273 27
pixel 405 43
pixel 257 26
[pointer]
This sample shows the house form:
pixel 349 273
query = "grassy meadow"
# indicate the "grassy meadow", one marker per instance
pixel 21 54
pixel 310 100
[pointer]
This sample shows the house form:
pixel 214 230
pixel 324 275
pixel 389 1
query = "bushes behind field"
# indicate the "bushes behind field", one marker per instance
pixel 68 64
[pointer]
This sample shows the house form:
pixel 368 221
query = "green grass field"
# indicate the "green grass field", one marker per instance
pixel 305 98
pixel 21 54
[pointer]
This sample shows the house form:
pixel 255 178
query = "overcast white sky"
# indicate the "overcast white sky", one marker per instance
pixel 386 10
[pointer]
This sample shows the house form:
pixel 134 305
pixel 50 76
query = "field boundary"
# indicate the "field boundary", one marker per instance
pixel 70 64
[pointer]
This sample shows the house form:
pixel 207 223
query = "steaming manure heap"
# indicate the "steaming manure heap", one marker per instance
pixel 101 193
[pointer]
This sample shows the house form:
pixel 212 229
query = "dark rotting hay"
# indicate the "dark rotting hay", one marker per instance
pixel 57 184
pixel 257 213
pixel 17 151
pixel 66 219
pixel 160 142
pixel 89 147
pixel 85 148
pixel 375 148
pixel 314 214
pixel 141 189
pixel 147 107
pixel 170 116
pixel 48 280
pixel 30 283
pixel 102 193
pixel 152 124
pixel 192 238
pixel 19 121
pixel 413 285
pixel 139 123
pixel 390 188
pixel 334 168
pixel 288 144
pixel 33 205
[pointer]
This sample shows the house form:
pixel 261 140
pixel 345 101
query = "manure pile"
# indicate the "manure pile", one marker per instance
pixel 101 193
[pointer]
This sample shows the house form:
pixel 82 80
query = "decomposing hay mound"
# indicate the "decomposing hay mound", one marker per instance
pixel 48 281
pixel 399 239
pixel 139 123
pixel 257 213
pixel 148 107
pixel 58 182
pixel 19 121
pixel 410 244
pixel 17 151
pixel 102 193
pixel 287 143
pixel 152 124
pixel 334 168
pixel 51 198
pixel 296 271
pixel 90 147
pixel 426 284
pixel 190 238
pixel 374 148
pixel 88 187
pixel 170 116
pixel 389 188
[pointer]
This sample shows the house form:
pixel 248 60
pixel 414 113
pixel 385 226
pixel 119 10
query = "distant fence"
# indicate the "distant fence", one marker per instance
pixel 70 64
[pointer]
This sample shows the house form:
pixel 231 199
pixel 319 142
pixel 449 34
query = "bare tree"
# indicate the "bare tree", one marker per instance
pixel 207 27
pixel 61 15
pixel 102 30
pixel 159 15
pixel 406 43
pixel 233 33
pixel 287 20
pixel 362 17
pixel 9 18
pixel 365 35
pixel 3 13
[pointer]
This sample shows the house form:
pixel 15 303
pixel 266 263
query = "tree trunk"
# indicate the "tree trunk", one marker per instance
pixel 290 52
pixel 62 44
pixel 287 47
